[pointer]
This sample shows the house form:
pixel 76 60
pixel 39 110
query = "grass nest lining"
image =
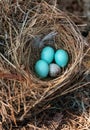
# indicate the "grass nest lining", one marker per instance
pixel 24 94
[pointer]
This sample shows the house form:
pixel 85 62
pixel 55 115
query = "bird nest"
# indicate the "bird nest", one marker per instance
pixel 25 93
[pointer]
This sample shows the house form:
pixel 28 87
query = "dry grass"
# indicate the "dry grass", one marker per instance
pixel 22 94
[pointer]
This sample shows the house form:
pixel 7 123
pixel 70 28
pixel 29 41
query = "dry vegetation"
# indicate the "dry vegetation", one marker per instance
pixel 26 102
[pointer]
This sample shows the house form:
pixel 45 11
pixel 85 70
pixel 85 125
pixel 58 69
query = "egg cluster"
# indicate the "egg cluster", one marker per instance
pixel 51 62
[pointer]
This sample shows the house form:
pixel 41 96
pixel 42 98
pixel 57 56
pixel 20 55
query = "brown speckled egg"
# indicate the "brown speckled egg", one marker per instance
pixel 54 70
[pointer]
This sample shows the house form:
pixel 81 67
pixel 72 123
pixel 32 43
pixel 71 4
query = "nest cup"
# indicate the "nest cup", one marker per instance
pixel 68 38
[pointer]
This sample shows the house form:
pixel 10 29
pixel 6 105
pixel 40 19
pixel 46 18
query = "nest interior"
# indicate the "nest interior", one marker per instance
pixel 24 94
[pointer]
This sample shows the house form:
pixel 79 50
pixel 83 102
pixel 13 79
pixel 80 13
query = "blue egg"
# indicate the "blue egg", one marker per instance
pixel 61 57
pixel 47 54
pixel 42 68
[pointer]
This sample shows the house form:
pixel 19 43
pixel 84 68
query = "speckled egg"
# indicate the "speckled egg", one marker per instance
pixel 42 68
pixel 47 54
pixel 54 70
pixel 61 58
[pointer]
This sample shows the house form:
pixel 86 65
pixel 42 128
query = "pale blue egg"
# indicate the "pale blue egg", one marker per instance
pixel 61 57
pixel 42 68
pixel 47 54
